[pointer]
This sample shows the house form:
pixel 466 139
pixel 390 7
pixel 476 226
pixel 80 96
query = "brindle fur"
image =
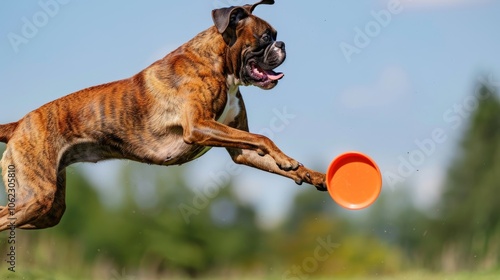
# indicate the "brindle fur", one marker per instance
pixel 167 114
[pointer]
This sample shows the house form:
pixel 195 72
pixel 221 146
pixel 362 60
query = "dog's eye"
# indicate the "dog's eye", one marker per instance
pixel 266 38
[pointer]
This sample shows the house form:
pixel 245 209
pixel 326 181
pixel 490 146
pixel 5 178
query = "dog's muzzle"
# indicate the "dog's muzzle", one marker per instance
pixel 258 67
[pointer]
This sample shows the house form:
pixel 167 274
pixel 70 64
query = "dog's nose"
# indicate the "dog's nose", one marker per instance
pixel 280 45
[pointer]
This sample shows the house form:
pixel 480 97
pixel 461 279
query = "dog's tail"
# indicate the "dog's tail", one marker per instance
pixel 6 131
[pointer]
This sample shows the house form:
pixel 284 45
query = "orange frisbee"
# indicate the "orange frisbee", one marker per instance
pixel 354 180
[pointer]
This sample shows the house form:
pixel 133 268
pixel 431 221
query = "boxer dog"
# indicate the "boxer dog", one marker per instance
pixel 170 113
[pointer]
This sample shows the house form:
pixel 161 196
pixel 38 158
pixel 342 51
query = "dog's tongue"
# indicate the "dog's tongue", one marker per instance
pixel 273 75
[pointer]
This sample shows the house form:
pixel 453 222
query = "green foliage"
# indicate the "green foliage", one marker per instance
pixel 470 224
pixel 464 232
pixel 358 250
pixel 156 234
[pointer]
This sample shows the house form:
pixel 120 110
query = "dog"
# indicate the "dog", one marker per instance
pixel 170 113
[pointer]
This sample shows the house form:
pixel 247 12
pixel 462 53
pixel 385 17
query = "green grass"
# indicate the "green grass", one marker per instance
pixel 51 275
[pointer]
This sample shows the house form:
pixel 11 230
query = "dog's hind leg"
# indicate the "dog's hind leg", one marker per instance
pixel 53 216
pixel 35 191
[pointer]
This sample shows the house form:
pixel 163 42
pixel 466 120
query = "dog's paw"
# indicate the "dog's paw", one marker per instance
pixel 319 181
pixel 314 178
pixel 321 187
pixel 288 165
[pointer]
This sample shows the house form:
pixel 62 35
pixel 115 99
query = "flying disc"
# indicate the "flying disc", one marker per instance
pixel 354 180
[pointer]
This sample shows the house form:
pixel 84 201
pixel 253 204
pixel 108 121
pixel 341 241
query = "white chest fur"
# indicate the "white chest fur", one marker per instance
pixel 230 112
pixel 232 108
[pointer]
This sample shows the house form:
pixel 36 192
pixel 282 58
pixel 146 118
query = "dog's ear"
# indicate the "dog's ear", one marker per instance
pixel 252 7
pixel 226 19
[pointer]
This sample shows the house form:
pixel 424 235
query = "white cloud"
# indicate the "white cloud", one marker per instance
pixel 391 85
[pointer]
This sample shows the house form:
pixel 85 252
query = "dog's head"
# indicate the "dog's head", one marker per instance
pixel 253 49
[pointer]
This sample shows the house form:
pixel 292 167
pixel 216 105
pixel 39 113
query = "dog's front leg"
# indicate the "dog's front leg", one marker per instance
pixel 266 163
pixel 212 133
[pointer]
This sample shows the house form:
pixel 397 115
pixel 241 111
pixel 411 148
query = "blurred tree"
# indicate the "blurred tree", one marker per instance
pixel 320 238
pixel 469 225
pixel 147 230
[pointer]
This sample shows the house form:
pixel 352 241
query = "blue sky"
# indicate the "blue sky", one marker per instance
pixel 415 63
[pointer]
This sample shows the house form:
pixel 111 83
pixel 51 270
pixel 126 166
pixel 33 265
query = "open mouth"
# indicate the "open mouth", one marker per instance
pixel 262 75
